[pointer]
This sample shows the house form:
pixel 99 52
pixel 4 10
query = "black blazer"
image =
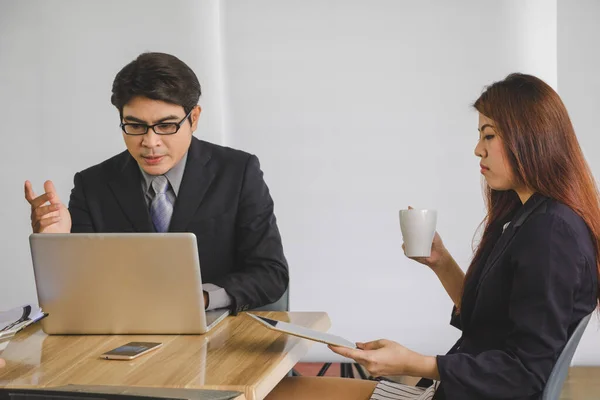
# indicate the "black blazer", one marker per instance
pixel 222 199
pixel 521 305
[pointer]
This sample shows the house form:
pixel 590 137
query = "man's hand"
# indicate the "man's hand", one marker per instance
pixel 385 358
pixel 2 363
pixel 48 214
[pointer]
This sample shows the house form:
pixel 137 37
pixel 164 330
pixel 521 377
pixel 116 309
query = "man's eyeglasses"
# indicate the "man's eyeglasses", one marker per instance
pixel 162 128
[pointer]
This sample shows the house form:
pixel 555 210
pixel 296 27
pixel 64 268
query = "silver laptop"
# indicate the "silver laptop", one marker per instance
pixel 120 283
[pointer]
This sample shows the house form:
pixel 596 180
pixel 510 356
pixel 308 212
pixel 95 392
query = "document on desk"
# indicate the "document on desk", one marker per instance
pixel 300 331
pixel 15 319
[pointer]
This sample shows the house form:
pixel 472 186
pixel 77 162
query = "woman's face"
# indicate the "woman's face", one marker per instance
pixel 494 163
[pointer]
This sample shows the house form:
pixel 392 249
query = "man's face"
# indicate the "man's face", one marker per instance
pixel 156 154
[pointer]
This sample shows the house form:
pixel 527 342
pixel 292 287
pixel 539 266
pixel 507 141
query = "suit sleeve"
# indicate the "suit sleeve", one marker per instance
pixel 81 220
pixel 546 265
pixel 263 271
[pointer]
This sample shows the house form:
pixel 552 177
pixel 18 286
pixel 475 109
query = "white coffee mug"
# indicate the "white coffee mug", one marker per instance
pixel 418 230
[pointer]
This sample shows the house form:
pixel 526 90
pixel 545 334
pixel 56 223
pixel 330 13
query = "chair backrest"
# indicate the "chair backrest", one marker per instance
pixel 283 304
pixel 561 368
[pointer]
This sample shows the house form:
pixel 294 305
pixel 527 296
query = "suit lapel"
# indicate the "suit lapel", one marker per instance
pixel 197 178
pixel 509 234
pixel 127 188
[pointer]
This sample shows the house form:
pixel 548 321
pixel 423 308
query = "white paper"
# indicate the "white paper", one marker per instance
pixel 13 320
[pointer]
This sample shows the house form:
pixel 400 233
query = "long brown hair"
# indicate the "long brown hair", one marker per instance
pixel 543 153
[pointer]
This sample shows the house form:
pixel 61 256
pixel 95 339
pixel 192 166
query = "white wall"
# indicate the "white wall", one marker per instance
pixel 579 87
pixel 358 109
pixel 355 108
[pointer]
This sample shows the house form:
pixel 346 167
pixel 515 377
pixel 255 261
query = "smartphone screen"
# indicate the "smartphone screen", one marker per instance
pixel 130 350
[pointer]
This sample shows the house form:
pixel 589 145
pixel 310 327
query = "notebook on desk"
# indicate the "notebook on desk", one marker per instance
pixel 15 319
pixel 121 283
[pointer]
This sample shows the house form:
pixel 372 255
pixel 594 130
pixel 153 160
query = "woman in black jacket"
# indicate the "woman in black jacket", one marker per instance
pixel 534 274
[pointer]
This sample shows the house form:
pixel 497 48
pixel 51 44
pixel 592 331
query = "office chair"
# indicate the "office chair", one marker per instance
pixel 283 304
pixel 561 367
pixel 346 370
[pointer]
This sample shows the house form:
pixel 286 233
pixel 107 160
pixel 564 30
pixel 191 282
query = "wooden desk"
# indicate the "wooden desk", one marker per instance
pixel 238 354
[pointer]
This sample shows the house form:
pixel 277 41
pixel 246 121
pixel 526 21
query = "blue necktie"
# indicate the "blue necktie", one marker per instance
pixel 161 208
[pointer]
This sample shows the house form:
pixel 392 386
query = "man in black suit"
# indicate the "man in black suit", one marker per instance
pixel 169 181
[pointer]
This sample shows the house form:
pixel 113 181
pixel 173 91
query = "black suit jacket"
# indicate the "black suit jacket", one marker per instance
pixel 521 305
pixel 222 199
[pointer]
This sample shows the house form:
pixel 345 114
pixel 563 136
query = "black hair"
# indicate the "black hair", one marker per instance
pixel 157 76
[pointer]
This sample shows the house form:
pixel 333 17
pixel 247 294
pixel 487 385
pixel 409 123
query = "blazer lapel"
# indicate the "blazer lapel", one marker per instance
pixel 127 188
pixel 509 233
pixel 197 178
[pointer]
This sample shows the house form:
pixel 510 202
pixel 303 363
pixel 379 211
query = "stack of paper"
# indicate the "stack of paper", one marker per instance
pixel 12 321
